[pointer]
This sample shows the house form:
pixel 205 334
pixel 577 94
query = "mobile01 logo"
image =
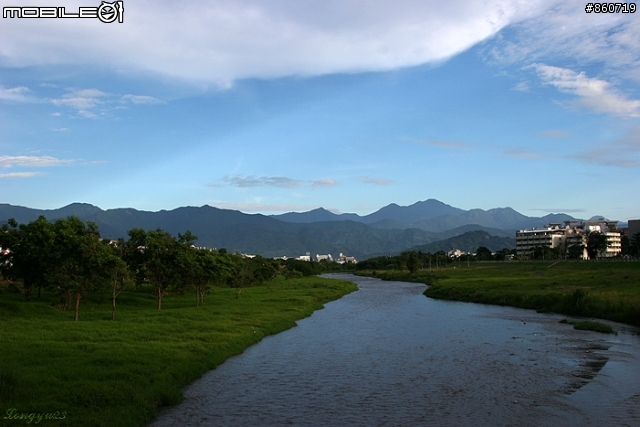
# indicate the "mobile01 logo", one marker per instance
pixel 106 12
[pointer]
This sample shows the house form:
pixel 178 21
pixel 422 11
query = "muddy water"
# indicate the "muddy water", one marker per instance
pixel 388 356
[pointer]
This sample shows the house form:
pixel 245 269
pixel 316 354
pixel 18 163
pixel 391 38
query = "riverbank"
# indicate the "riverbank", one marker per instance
pixel 604 290
pixel 386 355
pixel 99 372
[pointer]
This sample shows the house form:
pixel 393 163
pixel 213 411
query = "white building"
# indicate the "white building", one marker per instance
pixel 573 233
pixel 306 257
pixel 343 259
pixel 455 253
pixel 326 257
pixel 549 237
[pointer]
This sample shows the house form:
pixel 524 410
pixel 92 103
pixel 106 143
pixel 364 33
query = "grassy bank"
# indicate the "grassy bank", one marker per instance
pixel 605 290
pixel 99 372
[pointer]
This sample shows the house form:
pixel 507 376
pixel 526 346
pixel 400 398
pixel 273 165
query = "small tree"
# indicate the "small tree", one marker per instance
pixel 596 243
pixel 28 256
pixel 264 269
pixel 242 276
pixel 161 263
pixel 441 258
pixel 202 268
pixel 412 260
pixel 82 261
pixel 483 254
pixel 634 248
pixel 575 251
pixel 120 276
pixel 133 253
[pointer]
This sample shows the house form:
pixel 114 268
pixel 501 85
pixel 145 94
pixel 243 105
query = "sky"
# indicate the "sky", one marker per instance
pixel 273 106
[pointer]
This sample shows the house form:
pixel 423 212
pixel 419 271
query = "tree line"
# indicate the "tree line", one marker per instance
pixel 418 260
pixel 70 258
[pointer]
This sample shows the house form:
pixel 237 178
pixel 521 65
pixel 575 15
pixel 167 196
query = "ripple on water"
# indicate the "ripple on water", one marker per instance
pixel 388 356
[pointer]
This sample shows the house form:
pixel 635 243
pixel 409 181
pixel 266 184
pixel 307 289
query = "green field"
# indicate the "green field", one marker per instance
pixel 605 290
pixel 99 372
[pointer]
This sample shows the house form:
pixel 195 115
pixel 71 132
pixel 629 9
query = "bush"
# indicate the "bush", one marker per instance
pixel 576 303
pixel 8 383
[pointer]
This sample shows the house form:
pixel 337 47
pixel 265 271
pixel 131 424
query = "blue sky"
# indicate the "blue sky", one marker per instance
pixel 275 106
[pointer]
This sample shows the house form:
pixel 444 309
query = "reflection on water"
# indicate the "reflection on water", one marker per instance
pixel 388 356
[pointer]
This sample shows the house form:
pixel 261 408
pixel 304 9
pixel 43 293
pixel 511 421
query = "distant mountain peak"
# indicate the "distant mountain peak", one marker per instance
pixel 79 208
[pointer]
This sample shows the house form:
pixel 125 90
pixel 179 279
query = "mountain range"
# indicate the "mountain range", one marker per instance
pixel 429 215
pixel 390 230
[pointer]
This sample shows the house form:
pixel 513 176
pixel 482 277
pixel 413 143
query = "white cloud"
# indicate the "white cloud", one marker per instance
pixel 141 99
pixel 87 114
pixel 522 87
pixel 41 161
pixel 86 93
pixel 376 181
pixel 220 42
pixel 274 181
pixel 324 183
pixel 566 31
pixel 18 175
pixel 262 181
pixel 81 100
pixel 594 94
pixel 92 103
pixel 521 153
pixel 16 94
pixel 77 102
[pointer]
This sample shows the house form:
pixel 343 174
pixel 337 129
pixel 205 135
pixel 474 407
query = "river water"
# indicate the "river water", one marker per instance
pixel 388 356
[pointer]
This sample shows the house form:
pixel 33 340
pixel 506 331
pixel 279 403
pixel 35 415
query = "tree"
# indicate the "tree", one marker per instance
pixel 202 268
pixel 152 256
pixel 133 253
pixel 412 260
pixel 160 263
pixel 596 242
pixel 634 248
pixel 575 251
pixel 441 258
pixel 28 255
pixel 264 269
pixel 121 277
pixel 545 252
pixel 82 262
pixel 241 276
pixel 504 254
pixel 483 254
pixel 193 269
pixel 625 245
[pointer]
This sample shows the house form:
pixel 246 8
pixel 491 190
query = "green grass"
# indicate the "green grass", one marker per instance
pixel 605 290
pixel 588 325
pixel 99 372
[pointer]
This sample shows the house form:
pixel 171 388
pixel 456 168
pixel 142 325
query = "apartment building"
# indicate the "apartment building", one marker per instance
pixel 571 234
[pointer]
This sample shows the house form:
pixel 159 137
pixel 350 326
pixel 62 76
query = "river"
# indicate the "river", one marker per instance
pixel 388 356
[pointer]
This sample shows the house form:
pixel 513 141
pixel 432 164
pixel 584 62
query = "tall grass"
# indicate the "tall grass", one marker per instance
pixel 99 372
